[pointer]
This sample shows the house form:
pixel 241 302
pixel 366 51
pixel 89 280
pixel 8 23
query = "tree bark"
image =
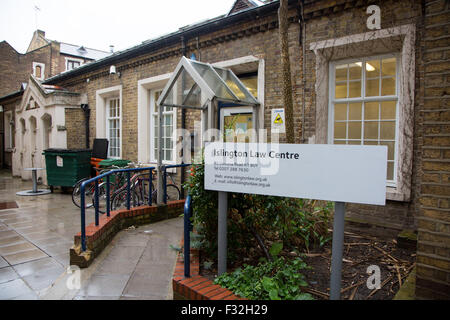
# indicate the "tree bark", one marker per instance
pixel 286 70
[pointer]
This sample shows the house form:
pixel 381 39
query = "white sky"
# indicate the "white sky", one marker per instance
pixel 100 23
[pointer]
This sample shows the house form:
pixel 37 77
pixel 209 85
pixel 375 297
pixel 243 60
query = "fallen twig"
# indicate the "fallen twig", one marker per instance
pixel 353 293
pixel 312 255
pixel 357 244
pixel 317 293
pixel 381 286
pixel 399 276
pixel 365 260
pixel 353 285
pixel 385 253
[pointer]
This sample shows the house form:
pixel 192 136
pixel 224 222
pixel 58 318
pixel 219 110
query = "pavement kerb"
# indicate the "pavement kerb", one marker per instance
pixel 59 290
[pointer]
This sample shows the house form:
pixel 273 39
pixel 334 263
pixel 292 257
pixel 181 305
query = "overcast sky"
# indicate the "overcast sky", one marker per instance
pixel 100 23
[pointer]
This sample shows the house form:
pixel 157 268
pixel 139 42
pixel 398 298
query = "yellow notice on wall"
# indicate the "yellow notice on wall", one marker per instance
pixel 278 119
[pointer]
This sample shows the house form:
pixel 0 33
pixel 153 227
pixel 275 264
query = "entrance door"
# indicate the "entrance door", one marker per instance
pixel 237 124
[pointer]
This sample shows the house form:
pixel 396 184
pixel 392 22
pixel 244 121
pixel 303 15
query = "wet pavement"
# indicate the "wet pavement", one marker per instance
pixel 139 265
pixel 35 239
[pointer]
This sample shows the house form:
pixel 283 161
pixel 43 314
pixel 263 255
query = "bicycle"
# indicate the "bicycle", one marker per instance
pixel 139 192
pixel 89 189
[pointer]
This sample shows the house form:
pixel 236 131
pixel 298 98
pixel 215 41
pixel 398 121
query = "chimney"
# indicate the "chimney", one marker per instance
pixel 41 33
pixel 111 48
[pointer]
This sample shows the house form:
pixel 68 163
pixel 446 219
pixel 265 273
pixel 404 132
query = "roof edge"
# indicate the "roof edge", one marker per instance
pixel 210 25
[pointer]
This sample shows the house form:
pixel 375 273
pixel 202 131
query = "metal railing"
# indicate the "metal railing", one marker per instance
pixel 106 176
pixel 187 235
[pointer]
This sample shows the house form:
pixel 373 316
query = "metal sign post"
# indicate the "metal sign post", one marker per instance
pixel 353 174
pixel 222 233
pixel 337 249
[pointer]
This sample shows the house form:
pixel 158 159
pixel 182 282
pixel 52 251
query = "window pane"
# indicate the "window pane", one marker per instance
pixel 390 170
pixel 341 90
pixel 168 155
pixel 354 70
pixel 388 67
pixel 168 131
pixel 387 130
pixel 370 143
pixel 372 88
pixel 354 90
pixel 354 130
pixel 370 130
pixel 341 72
pixel 355 142
pixel 340 111
pixel 388 87
pixel 354 111
pixel 391 148
pixel 339 142
pixel 371 111
pixel 373 68
pixel 339 130
pixel 388 109
pixel 251 84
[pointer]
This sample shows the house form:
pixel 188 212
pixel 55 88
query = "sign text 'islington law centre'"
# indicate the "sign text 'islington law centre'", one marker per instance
pixel 346 173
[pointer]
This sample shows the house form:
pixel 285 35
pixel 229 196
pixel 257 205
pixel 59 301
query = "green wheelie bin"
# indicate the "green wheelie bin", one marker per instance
pixel 67 166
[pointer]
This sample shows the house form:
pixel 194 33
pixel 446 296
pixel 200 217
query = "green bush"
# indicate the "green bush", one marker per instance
pixel 270 280
pixel 300 224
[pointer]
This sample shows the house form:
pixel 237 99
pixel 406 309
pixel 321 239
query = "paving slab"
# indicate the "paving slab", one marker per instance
pixel 14 289
pixel 3 263
pixel 24 256
pixel 141 260
pixel 35 239
pixel 8 274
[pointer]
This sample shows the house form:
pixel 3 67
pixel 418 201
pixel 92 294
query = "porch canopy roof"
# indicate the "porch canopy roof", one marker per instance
pixel 194 84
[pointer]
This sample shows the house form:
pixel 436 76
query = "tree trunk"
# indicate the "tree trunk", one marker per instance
pixel 286 70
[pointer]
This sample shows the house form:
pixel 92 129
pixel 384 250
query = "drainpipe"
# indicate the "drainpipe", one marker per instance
pixel 87 114
pixel 183 121
pixel 302 40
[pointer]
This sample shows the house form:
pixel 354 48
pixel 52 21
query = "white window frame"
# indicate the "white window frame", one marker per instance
pixel 332 100
pixel 108 132
pixel 101 100
pixel 68 59
pixel 145 135
pixel 9 132
pixel 153 121
pixel 42 65
pixel 401 39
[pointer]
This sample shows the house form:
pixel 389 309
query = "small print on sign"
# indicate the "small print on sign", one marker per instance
pixel 278 120
pixel 59 161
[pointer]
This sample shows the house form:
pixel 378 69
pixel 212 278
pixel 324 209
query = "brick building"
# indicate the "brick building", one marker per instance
pixel 361 74
pixel 44 58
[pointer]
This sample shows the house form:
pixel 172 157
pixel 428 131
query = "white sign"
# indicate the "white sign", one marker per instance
pixel 278 120
pixel 59 161
pixel 345 173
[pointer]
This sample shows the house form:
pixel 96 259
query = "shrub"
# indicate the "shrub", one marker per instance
pixel 300 224
pixel 269 280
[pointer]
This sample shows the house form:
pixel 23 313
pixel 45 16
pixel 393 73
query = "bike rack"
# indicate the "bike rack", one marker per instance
pixel 128 188
pixel 96 201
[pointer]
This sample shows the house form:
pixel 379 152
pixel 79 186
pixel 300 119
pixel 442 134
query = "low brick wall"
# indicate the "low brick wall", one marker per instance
pixel 98 237
pixel 197 287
